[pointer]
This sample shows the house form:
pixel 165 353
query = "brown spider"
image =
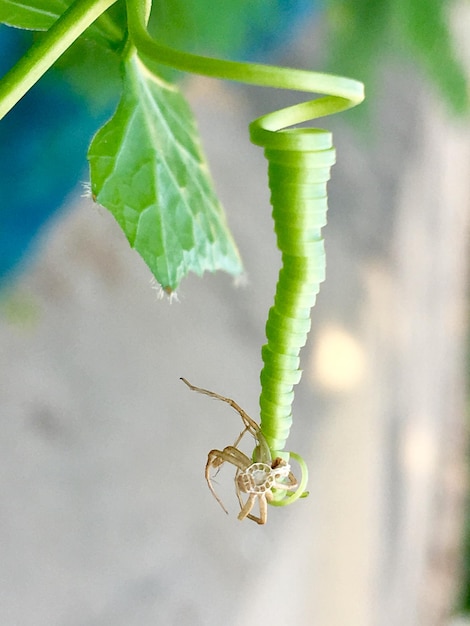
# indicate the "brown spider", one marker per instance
pixel 256 478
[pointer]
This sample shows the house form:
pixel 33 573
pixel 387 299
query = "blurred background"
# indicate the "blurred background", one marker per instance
pixel 105 515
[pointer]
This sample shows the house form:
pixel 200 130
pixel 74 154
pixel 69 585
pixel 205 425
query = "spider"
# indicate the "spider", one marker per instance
pixel 257 478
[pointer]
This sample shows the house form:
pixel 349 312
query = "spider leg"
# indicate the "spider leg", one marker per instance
pixel 263 511
pixel 279 468
pixel 250 425
pixel 246 508
pixel 216 458
pixel 293 482
pixel 290 486
pixel 237 489
pixel 240 436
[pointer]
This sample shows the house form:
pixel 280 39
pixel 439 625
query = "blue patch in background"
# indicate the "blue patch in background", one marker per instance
pixel 43 145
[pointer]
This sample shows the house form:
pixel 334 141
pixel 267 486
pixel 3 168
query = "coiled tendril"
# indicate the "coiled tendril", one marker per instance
pixel 299 167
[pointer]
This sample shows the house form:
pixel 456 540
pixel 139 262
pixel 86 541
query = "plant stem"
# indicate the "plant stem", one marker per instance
pixel 343 93
pixel 340 93
pixel 114 33
pixel 47 49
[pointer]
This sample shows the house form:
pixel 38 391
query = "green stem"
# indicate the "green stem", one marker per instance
pixel 342 93
pixel 47 49
pixel 113 33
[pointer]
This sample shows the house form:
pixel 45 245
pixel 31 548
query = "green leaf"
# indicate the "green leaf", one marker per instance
pixel 148 169
pixel 32 14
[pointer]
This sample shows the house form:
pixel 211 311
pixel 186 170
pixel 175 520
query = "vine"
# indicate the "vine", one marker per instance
pixel 163 200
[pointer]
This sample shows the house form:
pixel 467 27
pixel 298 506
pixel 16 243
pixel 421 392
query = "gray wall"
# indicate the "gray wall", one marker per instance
pixel 106 518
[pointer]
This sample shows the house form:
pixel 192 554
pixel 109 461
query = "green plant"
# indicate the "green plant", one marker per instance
pixel 148 169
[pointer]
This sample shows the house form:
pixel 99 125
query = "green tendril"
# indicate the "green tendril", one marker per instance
pixel 299 167
pixel 343 93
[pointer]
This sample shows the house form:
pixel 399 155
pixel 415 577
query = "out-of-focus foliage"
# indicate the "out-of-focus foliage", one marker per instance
pixel 228 28
pixel 365 32
pixel 464 603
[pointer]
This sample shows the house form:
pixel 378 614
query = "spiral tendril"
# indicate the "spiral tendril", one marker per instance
pixel 299 168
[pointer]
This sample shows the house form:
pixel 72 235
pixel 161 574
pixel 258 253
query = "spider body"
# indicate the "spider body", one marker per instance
pixel 257 480
pixel 262 479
